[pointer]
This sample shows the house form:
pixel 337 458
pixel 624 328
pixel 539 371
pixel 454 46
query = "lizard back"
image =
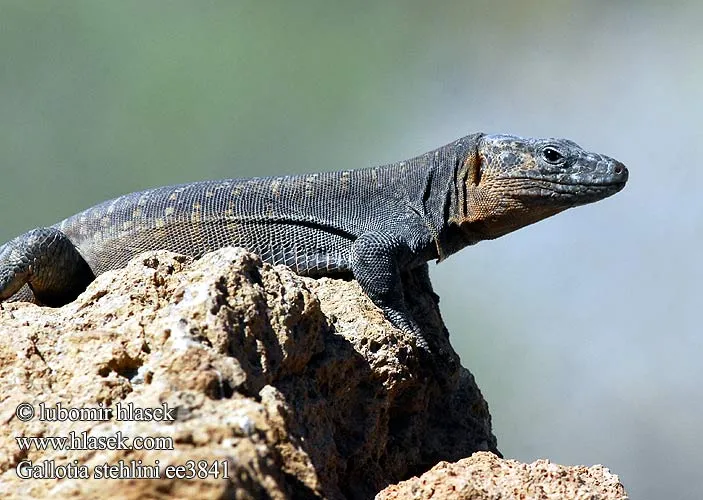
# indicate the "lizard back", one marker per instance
pixel 307 222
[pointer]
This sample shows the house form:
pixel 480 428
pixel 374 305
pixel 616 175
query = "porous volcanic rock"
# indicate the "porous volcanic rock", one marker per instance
pixel 484 476
pixel 289 386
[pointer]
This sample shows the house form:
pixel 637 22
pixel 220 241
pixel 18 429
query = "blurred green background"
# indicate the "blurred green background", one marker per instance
pixel 584 331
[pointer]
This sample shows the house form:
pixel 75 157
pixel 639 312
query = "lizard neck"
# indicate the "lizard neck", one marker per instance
pixel 442 198
pixel 455 198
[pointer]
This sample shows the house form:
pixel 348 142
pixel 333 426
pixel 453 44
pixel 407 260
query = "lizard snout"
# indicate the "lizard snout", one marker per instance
pixel 619 172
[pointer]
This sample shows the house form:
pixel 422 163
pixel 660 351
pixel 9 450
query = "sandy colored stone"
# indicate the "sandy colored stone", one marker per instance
pixel 299 386
pixel 484 476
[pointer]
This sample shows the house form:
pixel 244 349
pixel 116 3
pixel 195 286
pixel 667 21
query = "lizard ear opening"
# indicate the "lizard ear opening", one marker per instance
pixel 473 165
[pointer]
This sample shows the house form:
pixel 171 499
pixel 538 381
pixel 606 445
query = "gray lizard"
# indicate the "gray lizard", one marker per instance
pixel 374 224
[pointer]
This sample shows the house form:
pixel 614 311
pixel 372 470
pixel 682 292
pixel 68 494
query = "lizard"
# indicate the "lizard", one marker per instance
pixel 373 224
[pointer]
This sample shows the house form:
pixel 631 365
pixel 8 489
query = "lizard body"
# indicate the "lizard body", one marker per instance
pixel 373 224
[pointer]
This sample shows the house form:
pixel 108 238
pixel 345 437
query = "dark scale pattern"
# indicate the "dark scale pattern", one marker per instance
pixel 48 261
pixel 278 218
pixel 377 223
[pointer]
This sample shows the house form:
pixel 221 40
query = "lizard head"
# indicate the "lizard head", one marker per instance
pixel 511 182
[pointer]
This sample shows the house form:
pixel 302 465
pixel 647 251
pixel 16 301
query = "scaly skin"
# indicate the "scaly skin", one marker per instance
pixel 375 224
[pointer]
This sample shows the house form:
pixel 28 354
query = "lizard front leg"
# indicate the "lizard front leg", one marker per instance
pixel 376 260
pixel 47 261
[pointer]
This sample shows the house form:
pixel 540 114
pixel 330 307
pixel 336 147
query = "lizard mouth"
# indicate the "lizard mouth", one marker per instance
pixel 571 192
pixel 575 187
pixel 578 185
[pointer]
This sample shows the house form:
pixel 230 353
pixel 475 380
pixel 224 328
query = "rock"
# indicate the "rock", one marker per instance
pixel 270 384
pixel 484 476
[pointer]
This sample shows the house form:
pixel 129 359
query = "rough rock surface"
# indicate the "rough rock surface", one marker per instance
pixel 484 476
pixel 299 387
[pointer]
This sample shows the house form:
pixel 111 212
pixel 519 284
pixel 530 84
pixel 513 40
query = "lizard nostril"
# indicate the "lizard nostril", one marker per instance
pixel 620 172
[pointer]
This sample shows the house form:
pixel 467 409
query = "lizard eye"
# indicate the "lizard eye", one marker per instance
pixel 552 155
